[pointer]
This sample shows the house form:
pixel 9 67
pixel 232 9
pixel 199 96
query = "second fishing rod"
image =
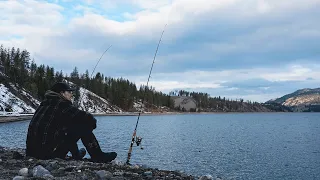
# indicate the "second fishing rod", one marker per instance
pixel 78 104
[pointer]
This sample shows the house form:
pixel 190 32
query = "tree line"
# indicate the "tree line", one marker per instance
pixel 119 91
pixel 218 104
pixel 21 70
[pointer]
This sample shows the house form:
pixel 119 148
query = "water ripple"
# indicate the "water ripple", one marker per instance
pixel 232 146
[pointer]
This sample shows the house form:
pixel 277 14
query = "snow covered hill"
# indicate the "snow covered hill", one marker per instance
pixel 10 102
pixel 93 103
pixel 20 101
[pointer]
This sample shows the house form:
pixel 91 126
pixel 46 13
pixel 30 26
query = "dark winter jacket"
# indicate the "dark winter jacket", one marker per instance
pixel 51 122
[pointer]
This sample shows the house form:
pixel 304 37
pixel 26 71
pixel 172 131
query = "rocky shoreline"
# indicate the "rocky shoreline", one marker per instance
pixel 15 165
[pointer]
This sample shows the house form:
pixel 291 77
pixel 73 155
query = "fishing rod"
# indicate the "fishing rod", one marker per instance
pixel 134 138
pixel 79 102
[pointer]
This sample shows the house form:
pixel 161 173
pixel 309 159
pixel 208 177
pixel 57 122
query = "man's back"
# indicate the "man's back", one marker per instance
pixel 49 124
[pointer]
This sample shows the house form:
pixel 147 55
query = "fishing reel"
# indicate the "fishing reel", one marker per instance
pixel 138 140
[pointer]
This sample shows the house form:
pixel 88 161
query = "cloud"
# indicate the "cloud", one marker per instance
pixel 38 17
pixel 259 83
pixel 231 47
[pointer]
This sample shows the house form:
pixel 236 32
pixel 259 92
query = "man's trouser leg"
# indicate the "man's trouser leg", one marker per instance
pixel 89 141
pixel 69 143
pixel 92 145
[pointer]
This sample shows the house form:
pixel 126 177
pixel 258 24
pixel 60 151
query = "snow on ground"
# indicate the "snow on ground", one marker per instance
pixel 90 102
pixel 139 106
pixel 7 99
pixel 27 95
pixel 93 103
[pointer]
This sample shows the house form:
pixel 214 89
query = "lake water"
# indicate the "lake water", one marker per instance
pixel 232 146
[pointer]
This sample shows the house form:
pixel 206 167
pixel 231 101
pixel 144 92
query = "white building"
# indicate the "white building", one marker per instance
pixel 184 102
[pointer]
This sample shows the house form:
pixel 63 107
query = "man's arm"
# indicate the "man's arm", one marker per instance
pixel 79 117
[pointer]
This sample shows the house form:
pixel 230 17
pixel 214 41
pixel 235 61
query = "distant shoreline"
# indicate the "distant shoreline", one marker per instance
pixel 24 117
pixel 6 119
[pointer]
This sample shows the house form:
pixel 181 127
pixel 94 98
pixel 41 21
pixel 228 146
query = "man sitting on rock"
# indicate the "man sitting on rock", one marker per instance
pixel 57 126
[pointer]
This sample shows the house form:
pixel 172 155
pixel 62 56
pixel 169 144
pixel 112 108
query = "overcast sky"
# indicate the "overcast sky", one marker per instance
pixel 251 49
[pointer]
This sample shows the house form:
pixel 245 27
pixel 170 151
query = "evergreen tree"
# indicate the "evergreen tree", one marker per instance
pixel 16 66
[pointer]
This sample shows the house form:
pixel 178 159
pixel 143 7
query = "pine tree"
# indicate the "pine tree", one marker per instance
pixel 121 92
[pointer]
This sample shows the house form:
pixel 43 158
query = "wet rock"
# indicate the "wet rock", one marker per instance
pixel 118 163
pixel 144 166
pixel 18 178
pixel 172 176
pixel 48 176
pixel 12 161
pixel 103 174
pixel 183 175
pixel 40 171
pixel 17 155
pixel 148 173
pixel 117 178
pixel 24 172
pixel 135 167
pixel 206 177
pixel 130 175
pixel 118 173
pixel 52 165
pixel 81 169
pixel 70 168
pixel 58 172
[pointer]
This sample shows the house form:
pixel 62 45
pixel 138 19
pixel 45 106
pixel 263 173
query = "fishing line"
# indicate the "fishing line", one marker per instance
pixel 79 102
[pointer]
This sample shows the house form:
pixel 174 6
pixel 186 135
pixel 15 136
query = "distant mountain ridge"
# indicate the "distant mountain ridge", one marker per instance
pixel 304 100
pixel 15 98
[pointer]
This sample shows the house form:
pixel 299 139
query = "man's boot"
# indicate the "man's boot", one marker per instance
pixel 94 150
pixel 105 157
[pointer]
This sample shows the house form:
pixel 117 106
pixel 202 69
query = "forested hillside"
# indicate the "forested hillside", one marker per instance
pixel 17 69
pixel 302 100
pixel 207 103
pixel 21 70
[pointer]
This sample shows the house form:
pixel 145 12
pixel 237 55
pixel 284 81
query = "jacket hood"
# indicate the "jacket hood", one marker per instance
pixel 51 95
